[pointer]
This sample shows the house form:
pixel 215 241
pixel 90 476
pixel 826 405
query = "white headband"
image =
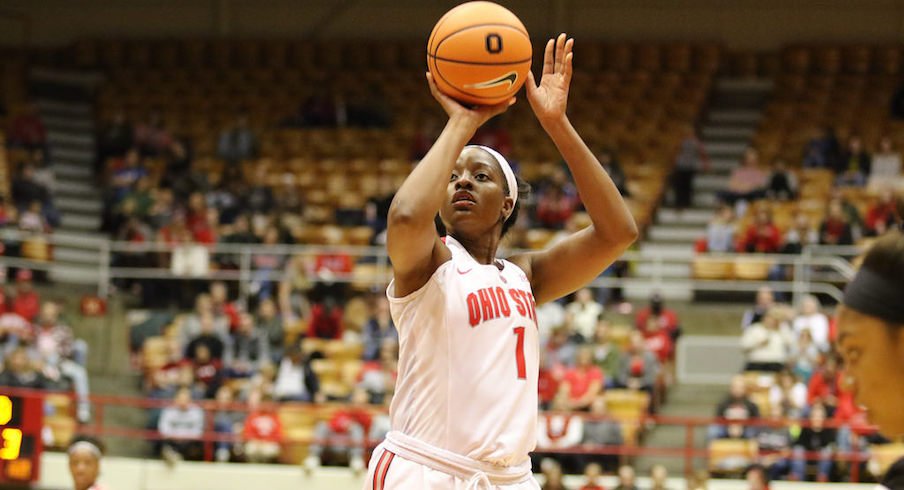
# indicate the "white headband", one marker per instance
pixel 506 170
pixel 93 449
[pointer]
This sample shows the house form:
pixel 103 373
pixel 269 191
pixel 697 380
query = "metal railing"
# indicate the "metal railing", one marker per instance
pixel 819 269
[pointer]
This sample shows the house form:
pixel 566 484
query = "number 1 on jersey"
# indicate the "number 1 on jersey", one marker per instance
pixel 519 353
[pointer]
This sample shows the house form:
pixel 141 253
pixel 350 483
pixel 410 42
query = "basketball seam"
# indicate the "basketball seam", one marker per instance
pixel 488 63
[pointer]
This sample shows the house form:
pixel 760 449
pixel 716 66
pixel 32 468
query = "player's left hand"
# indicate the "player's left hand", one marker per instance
pixel 549 99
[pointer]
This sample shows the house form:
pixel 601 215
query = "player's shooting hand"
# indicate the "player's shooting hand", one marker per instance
pixel 549 99
pixel 475 116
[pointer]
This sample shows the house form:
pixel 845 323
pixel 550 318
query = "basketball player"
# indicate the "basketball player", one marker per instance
pixel 871 340
pixel 84 463
pixel 465 411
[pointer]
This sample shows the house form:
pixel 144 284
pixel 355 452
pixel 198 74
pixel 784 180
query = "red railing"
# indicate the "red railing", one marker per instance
pixel 689 452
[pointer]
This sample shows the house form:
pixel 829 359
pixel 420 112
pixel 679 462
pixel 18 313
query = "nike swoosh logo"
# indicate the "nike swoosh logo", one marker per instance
pixel 462 272
pixel 510 78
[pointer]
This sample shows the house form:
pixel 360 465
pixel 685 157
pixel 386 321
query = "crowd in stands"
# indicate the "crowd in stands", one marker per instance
pixel 793 378
pixel 37 347
pixel 847 195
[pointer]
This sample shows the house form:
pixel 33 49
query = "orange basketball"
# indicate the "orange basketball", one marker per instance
pixel 479 52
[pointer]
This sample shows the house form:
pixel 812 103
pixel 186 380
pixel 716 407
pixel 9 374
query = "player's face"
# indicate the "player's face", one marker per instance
pixel 84 469
pixel 874 357
pixel 476 199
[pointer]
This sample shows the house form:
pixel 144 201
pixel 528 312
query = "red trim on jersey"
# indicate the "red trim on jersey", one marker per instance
pixel 377 470
pixel 386 470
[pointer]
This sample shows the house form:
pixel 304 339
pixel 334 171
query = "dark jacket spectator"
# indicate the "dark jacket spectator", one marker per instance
pixel 26 190
pixel 855 164
pixel 610 164
pixel 238 142
pixel 835 229
pixel 782 183
pixel 378 329
pixel 19 373
pixel 249 347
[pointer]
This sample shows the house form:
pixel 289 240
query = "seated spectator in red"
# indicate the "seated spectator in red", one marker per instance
pixel 639 367
pixel 325 323
pixel 854 165
pixel 351 421
pixel 836 229
pixel 548 382
pixel 825 385
pixel 27 129
pixel 152 137
pixel 263 432
pixel 584 381
pixel 554 208
pixel 665 317
pixel 26 302
pixel 881 215
pixel 208 370
pixel 762 236
pixel 658 341
pixel 175 232
pixel 592 473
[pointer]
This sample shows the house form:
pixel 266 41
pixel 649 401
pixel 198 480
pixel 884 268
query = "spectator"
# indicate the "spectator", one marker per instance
pixel 606 354
pixel 805 356
pixel 181 425
pixel 550 316
pixel 600 430
pixel 549 380
pixel 720 232
pixel 126 176
pixel 204 312
pixel 814 438
pixel 584 312
pixel 592 474
pixel 850 210
pixel 765 299
pixel 800 235
pixel 610 164
pixel 208 337
pixel 378 329
pixel 27 129
pixel 248 349
pixel 151 137
pixel 557 201
pixel 347 426
pixel 376 210
pixel 825 384
pixel 32 219
pixel 659 342
pixel 822 150
pixel 25 189
pixel 560 348
pixel 19 372
pixel 584 381
pixel 810 318
pixel 115 138
pixel 697 480
pixel 378 378
pixel 295 379
pixel 293 292
pixel 882 214
pixel 57 348
pixel 226 421
pixel 854 165
pixel 756 477
pixel 270 324
pixel 237 143
pixel 691 158
pixel 26 302
pixel 552 475
pixel 659 476
pixel 559 429
pixel 747 183
pixel 626 478
pixel 774 444
pixel 208 371
pixel 736 406
pixel 762 236
pixel 836 229
pixel 788 396
pixel 666 319
pixel 767 345
pixel 259 198
pixel 639 369
pixel 782 182
pixel 886 166
pixel 262 432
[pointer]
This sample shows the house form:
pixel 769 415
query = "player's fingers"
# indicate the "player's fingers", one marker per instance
pixel 569 46
pixel 560 52
pixel 567 72
pixel 548 60
pixel 531 83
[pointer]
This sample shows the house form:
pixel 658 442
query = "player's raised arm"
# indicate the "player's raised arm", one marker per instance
pixel 581 257
pixel 411 239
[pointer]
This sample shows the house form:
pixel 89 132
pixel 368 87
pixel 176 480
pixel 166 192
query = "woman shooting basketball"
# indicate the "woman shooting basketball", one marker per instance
pixel 465 410
pixel 871 340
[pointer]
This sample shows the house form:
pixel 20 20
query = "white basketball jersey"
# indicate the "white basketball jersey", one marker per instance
pixel 468 360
